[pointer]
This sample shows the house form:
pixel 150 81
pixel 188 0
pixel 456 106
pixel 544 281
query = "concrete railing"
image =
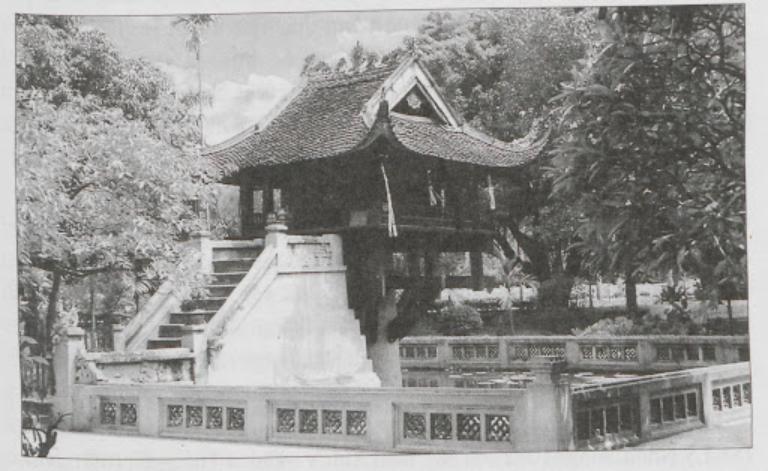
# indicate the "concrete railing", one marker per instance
pixel 169 365
pixel 166 299
pixel 631 353
pixel 252 285
pixel 386 419
pixel 659 405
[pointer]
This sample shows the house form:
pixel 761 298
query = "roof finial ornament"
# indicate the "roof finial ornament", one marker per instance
pixel 383 111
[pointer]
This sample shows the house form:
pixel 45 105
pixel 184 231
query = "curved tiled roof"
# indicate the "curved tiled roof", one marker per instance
pixel 462 145
pixel 324 119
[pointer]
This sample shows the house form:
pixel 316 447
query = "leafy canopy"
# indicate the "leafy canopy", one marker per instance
pixel 652 145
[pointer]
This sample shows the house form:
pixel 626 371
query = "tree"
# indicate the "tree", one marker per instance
pixel 106 165
pixel 195 25
pixel 652 148
pixel 499 68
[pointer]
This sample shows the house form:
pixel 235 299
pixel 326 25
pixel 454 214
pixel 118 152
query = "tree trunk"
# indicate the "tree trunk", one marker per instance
pixel 630 289
pixel 200 97
pixel 91 309
pixel 730 317
pixel 51 313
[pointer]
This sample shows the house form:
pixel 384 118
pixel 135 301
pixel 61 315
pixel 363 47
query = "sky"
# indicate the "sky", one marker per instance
pixel 250 61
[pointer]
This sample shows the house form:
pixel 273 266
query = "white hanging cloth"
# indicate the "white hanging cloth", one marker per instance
pixel 391 225
pixel 431 190
pixel 491 195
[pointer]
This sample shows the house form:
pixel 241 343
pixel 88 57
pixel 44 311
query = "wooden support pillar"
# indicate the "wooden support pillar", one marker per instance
pixel 476 269
pixel 436 279
pixel 269 199
pixel 376 257
pixel 246 207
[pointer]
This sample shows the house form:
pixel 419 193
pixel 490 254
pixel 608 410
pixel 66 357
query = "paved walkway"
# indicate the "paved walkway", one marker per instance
pixel 120 447
pixel 735 434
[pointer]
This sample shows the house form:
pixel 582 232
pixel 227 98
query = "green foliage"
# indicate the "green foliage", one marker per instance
pixel 675 321
pixel 609 327
pixel 459 319
pixel 500 67
pixel 652 146
pixel 106 168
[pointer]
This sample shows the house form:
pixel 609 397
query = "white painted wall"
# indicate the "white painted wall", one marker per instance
pixel 300 333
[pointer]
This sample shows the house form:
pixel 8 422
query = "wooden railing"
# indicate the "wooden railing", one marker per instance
pixel 99 340
pixel 36 379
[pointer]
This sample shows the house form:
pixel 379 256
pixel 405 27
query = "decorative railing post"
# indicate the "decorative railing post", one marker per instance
pixel 193 337
pixel 64 353
pixel 276 237
pixel 572 352
pixel 201 241
pixel 646 353
pixel 118 339
pixel 548 415
pixel 444 353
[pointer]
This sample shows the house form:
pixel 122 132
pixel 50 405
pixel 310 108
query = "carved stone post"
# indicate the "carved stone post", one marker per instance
pixel 64 353
pixel 549 418
pixel 385 355
pixel 193 337
pixel 118 339
pixel 277 238
pixel 201 241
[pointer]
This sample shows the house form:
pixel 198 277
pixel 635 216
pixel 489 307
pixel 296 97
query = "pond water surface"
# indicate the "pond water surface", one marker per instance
pixel 424 378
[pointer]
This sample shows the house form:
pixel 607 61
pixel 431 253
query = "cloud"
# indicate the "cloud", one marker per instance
pixel 236 105
pixel 184 79
pixel 377 40
pixel 239 105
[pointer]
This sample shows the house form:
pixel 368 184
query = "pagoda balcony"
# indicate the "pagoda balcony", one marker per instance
pixel 413 219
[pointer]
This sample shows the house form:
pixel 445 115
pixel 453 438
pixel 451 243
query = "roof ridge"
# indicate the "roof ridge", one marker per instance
pixel 230 140
pixel 336 79
pixel 519 143
pixel 263 122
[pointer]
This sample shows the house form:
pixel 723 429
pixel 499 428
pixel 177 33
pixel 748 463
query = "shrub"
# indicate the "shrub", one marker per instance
pixel 675 321
pixel 459 319
pixel 608 327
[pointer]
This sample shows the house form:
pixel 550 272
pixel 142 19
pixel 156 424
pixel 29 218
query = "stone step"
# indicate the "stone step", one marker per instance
pixel 191 317
pixel 228 278
pixel 220 291
pixel 234 265
pixel 156 344
pixel 169 331
pixel 203 304
pixel 228 253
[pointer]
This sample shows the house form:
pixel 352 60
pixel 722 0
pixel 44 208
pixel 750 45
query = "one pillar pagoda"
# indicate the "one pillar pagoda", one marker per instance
pixel 381 159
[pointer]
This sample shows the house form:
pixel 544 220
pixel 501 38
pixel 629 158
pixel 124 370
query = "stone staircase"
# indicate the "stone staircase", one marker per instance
pixel 230 265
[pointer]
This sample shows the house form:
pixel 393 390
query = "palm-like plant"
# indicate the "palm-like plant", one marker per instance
pixel 195 25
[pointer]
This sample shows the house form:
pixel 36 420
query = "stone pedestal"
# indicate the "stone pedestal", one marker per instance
pixel 118 339
pixel 549 413
pixel 201 240
pixel 193 337
pixel 384 354
pixel 64 354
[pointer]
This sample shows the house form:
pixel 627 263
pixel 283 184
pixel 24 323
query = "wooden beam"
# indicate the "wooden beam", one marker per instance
pixel 246 207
